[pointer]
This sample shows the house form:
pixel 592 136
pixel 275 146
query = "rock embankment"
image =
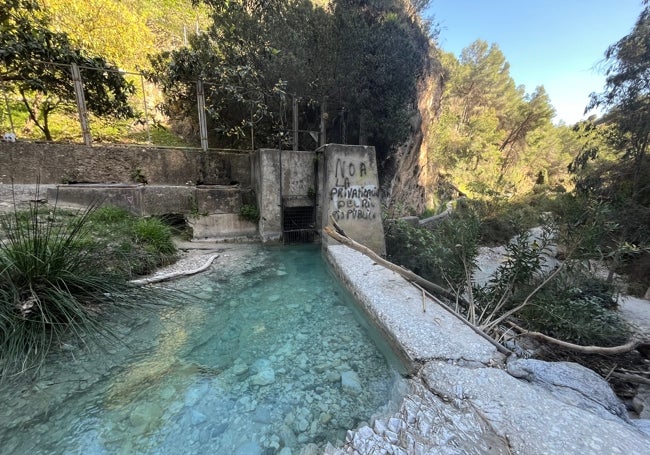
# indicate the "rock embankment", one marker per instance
pixel 465 397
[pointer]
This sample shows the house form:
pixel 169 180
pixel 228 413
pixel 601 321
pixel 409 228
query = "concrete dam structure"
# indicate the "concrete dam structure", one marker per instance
pixel 294 192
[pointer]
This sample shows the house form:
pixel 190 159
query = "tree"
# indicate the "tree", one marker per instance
pixel 486 127
pixel 383 50
pixel 35 60
pixel 364 57
pixel 627 87
pixel 533 113
pixel 125 32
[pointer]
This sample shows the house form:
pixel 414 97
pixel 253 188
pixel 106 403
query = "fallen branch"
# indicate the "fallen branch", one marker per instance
pixel 172 275
pixel 501 348
pixel 335 233
pixel 426 286
pixel 627 347
pixel 490 324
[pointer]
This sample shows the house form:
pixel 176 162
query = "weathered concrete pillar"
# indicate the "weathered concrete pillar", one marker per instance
pixel 281 175
pixel 350 193
pixel 267 182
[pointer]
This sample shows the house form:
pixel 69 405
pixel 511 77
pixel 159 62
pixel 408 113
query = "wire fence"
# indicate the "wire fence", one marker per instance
pixel 23 113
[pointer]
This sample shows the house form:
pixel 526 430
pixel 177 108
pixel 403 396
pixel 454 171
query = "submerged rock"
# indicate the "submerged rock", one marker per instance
pixel 350 381
pixel 239 369
pixel 144 416
pixel 249 448
pixel 264 377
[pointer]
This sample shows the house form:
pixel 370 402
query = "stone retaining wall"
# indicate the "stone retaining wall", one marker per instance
pixel 26 162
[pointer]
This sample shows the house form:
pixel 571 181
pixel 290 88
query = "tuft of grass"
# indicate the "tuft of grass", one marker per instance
pixel 250 212
pixel 155 235
pixel 55 281
pixel 110 214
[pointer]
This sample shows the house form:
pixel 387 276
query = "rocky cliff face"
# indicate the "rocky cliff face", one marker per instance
pixel 409 178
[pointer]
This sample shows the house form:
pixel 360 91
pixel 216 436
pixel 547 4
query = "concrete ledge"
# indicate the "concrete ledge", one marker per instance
pixel 461 399
pixel 222 227
pixel 218 199
pixel 148 200
pixel 141 200
pixel 395 306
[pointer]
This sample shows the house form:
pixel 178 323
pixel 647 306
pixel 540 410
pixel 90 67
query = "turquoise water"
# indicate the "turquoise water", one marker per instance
pixel 266 355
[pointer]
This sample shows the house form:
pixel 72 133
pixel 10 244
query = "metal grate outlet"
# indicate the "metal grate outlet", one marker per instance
pixel 298 224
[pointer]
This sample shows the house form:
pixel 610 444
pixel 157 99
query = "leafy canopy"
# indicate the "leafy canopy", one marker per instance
pixel 490 133
pixel 627 87
pixel 363 57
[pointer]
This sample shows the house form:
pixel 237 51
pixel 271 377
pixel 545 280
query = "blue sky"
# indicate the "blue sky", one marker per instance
pixel 555 43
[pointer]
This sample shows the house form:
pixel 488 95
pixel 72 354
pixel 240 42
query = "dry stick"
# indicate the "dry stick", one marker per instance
pixel 610 372
pixel 502 349
pixel 424 298
pixel 627 347
pixel 632 378
pixel 489 326
pixel 407 274
pixel 337 234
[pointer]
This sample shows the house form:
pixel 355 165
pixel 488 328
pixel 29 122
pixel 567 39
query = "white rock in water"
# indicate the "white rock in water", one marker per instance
pixel 332 376
pixel 264 377
pixel 302 424
pixel 261 364
pixel 239 368
pixel 249 448
pixel 350 381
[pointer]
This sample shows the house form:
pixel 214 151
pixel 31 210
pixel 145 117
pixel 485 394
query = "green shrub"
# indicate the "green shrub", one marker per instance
pixel 152 245
pixel 441 254
pixel 428 212
pixel 250 212
pixel 155 234
pixel 577 309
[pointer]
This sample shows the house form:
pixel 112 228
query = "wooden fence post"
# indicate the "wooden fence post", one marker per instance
pixel 81 103
pixel 200 102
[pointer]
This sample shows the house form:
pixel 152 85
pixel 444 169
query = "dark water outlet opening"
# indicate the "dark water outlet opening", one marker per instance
pixel 299 224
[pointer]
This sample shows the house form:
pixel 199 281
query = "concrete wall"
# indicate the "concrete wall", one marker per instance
pixel 25 162
pixel 280 174
pixel 148 200
pixel 349 192
pixel 343 180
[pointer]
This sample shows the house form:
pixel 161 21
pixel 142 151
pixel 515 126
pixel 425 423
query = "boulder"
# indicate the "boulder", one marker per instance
pixel 572 384
pixel 264 377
